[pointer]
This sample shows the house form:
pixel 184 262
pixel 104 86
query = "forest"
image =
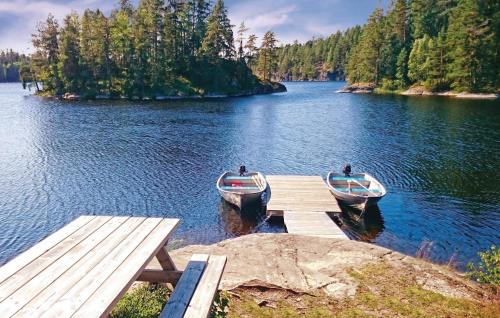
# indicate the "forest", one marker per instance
pixel 437 44
pixel 10 64
pixel 161 48
pixel 187 47
pixel 318 59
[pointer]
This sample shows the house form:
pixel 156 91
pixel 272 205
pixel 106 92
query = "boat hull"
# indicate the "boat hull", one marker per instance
pixel 240 200
pixel 356 200
pixel 242 191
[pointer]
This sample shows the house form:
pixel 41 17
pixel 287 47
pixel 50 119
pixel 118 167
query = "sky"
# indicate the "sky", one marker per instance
pixel 290 19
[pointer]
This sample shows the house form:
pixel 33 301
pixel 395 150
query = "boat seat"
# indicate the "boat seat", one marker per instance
pixel 338 178
pixel 237 178
pixel 357 190
pixel 239 188
pixel 344 183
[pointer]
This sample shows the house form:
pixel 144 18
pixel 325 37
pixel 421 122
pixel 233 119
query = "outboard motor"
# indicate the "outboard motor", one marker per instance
pixel 347 170
pixel 243 170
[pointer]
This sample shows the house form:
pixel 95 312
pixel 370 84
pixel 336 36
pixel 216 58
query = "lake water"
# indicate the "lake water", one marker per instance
pixel 438 158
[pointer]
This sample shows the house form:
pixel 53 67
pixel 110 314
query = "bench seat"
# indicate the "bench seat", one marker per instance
pixel 356 190
pixel 238 178
pixel 239 188
pixel 195 291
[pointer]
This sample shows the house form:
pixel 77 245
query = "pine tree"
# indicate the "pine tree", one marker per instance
pixel 240 38
pixel 147 35
pixel 94 50
pixel 202 11
pixel 470 45
pixel 435 64
pixel 424 18
pixel 400 20
pixel 365 64
pixel 251 46
pixel 44 63
pixel 402 69
pixel 218 41
pixel 69 54
pixel 417 72
pixel 267 56
pixel 121 52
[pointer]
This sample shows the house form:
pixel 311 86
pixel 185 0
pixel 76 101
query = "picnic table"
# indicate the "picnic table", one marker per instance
pixel 83 269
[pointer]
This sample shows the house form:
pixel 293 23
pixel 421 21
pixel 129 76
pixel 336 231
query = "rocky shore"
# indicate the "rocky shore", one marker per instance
pixel 306 264
pixel 286 275
pixel 260 88
pixel 358 89
pixel 367 88
pixel 421 91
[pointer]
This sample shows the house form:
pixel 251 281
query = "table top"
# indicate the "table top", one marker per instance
pixel 83 269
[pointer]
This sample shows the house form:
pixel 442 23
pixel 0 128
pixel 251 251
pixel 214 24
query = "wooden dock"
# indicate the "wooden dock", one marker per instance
pixel 304 203
pixel 312 224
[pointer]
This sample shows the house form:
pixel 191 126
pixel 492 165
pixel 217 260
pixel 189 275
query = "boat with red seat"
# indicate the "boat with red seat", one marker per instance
pixel 241 190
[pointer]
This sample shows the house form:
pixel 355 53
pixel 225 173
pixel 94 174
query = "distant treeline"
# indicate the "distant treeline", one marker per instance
pixel 318 59
pixel 159 48
pixel 10 64
pixel 439 44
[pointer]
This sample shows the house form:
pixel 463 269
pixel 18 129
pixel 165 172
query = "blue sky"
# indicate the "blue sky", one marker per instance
pixel 290 20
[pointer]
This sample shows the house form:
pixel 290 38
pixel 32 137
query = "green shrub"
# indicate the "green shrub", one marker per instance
pixel 145 301
pixel 148 300
pixel 220 306
pixel 487 270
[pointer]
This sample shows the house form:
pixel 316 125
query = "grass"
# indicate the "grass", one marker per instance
pixel 383 291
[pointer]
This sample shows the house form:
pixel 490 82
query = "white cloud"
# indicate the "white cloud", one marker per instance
pixel 268 20
pixel 18 37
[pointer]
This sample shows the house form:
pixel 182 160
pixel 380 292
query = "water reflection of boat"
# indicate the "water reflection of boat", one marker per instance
pixel 242 190
pixel 240 222
pixel 358 190
pixel 363 227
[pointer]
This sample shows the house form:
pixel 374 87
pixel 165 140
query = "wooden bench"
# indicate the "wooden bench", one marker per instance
pixel 195 291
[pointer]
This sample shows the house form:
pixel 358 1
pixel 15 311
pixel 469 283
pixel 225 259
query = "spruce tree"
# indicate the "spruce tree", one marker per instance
pixel 69 54
pixel 417 72
pixel 121 52
pixel 44 62
pixel 94 50
pixel 435 64
pixel 240 38
pixel 365 64
pixel 402 69
pixel 470 46
pixel 218 41
pixel 267 56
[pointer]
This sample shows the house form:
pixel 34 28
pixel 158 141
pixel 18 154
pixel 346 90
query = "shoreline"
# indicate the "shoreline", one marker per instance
pixel 315 272
pixel 415 91
pixel 261 89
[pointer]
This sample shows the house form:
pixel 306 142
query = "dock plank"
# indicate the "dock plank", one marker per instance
pixel 303 202
pixel 300 193
pixel 312 224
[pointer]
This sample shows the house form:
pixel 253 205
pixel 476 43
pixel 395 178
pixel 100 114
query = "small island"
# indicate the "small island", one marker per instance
pixel 152 52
